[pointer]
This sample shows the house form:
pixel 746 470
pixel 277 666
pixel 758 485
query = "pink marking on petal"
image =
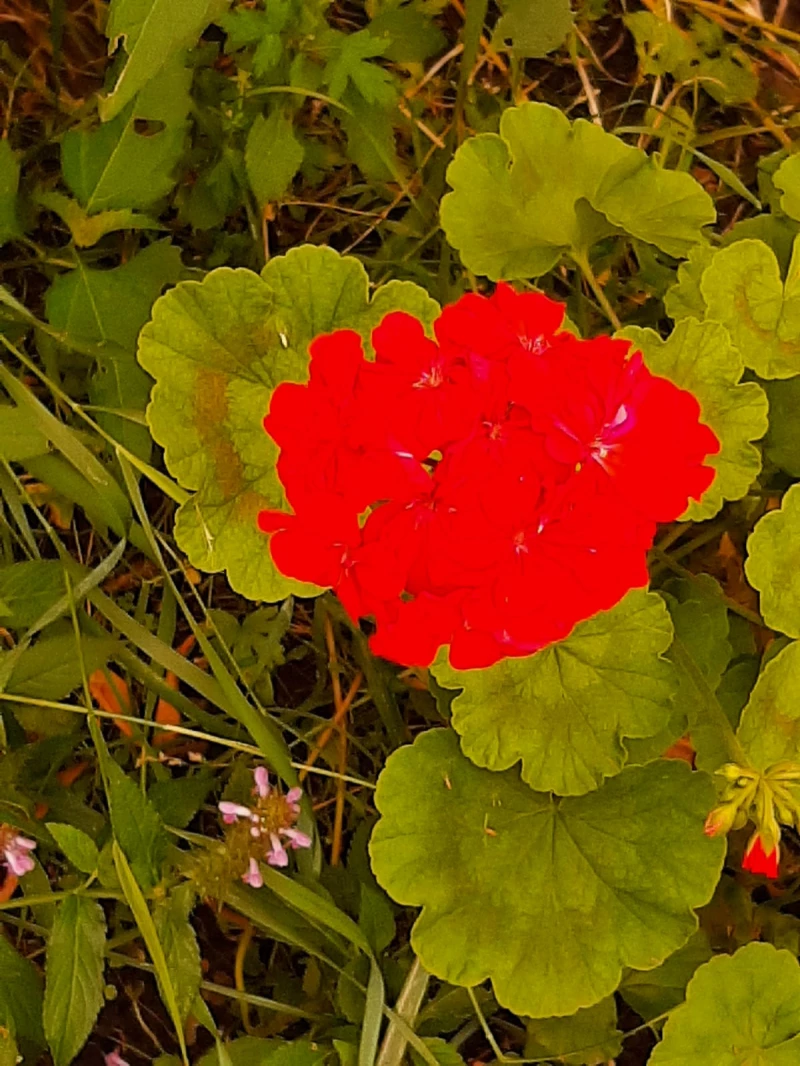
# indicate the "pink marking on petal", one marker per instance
pixel 294 795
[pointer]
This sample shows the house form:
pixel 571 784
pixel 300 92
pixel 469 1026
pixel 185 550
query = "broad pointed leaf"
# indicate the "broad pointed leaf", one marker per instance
pixel 107 308
pixel 769 730
pixel 272 157
pixel 9 184
pixel 121 164
pixel 532 27
pixel 73 992
pixel 699 357
pixel 217 349
pixel 773 564
pixel 20 1000
pixel 740 1010
pixel 566 711
pixel 544 187
pixel 742 289
pixel 548 898
pixel 152 31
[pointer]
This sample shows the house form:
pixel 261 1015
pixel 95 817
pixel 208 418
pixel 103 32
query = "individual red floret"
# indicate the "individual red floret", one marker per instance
pixel 412 631
pixel 331 437
pixel 427 398
pixel 621 429
pixel 483 331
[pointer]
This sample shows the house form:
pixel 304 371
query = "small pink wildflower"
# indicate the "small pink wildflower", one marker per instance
pixel 271 819
pixel 15 850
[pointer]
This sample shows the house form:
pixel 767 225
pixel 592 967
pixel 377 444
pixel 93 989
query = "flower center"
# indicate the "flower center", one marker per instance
pixel 430 379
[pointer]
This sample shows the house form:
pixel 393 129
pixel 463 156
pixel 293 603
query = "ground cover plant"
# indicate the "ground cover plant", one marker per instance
pixel 399 532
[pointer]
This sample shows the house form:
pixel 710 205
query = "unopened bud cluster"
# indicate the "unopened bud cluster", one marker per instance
pixel 769 799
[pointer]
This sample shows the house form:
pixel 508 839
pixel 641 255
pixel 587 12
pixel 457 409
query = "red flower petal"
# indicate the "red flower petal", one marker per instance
pixel 758 861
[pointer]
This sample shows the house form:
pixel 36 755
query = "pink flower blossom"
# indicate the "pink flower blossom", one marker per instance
pixel 272 818
pixel 15 850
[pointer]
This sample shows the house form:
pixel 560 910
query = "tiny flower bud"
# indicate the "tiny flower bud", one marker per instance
pixel 721 819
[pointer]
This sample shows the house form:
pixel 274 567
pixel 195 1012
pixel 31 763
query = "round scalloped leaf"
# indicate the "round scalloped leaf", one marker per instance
pixel 782 442
pixel 787 179
pixel 740 1010
pixel 217 349
pixel 548 898
pixel 684 299
pixel 317 291
pixel 769 730
pixel 699 357
pixel 742 288
pixel 773 564
pixel 565 712
pixel 543 187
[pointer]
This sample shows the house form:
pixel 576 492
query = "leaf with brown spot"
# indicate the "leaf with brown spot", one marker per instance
pixel 217 349
pixel 743 290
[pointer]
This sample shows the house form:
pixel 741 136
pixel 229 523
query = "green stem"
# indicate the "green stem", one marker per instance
pixel 582 262
pixel 473 26
pixel 407 1007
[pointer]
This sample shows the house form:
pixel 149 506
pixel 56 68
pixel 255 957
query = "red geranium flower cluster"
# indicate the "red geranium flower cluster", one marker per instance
pixel 487 490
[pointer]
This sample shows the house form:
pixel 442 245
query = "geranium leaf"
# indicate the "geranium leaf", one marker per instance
pixel 782 442
pixel 769 730
pixel 653 992
pixel 543 187
pixel 588 1038
pixel 217 349
pixel 701 651
pixel 699 357
pixel 611 876
pixel 684 299
pixel 773 564
pixel 565 712
pixel 787 179
pixel 742 288
pixel 316 291
pixel 740 1010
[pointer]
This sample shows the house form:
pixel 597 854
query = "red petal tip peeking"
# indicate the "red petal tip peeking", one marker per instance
pixel 759 861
